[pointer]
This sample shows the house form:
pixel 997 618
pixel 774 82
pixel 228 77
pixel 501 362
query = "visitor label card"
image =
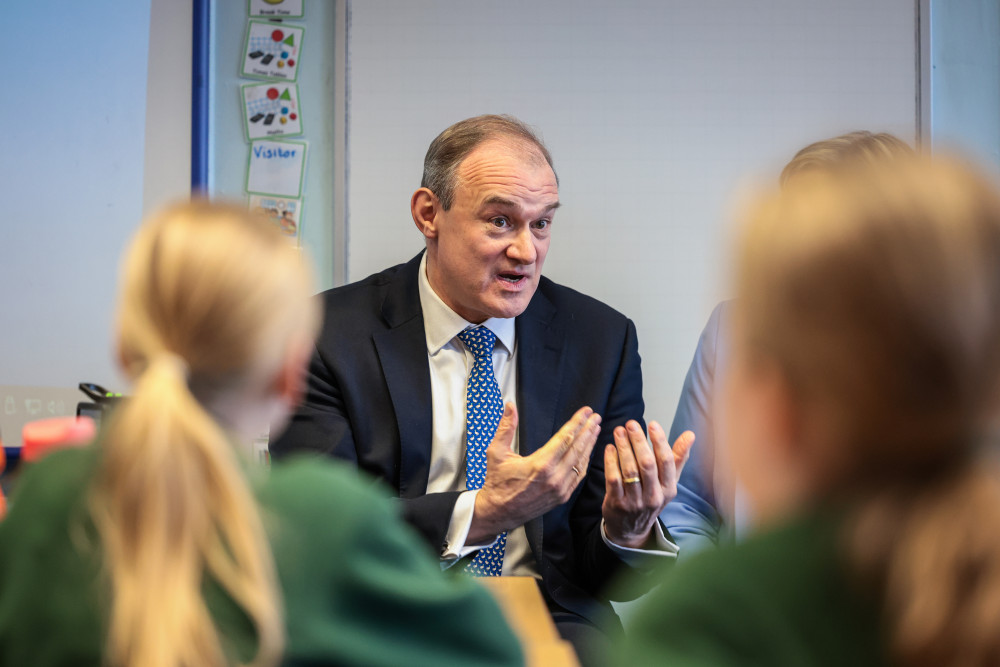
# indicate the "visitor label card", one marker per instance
pixel 276 168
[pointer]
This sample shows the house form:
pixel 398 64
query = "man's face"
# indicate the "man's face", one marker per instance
pixel 485 254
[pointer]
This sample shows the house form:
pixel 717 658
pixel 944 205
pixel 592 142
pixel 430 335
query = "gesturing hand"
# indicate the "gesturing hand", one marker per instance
pixel 640 480
pixel 519 488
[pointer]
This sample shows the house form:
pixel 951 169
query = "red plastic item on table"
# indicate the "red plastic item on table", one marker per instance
pixel 47 435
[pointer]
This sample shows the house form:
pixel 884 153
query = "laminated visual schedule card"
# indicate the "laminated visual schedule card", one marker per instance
pixel 272 50
pixel 285 212
pixel 271 110
pixel 277 9
pixel 276 167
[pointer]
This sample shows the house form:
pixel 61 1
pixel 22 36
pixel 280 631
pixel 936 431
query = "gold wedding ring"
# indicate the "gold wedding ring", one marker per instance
pixel 576 470
pixel 631 480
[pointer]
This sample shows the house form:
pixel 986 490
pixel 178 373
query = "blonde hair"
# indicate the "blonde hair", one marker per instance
pixel 212 298
pixel 855 147
pixel 876 290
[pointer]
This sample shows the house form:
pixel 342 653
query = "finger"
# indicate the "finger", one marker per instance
pixel 562 441
pixel 670 461
pixel 649 471
pixel 682 450
pixel 582 435
pixel 575 465
pixel 572 468
pixel 664 457
pixel 613 487
pixel 504 437
pixel 583 446
pixel 631 480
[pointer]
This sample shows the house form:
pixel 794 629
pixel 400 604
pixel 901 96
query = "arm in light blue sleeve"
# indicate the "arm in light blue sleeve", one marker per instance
pixel 693 518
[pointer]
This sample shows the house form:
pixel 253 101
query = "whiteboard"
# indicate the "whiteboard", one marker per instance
pixel 74 187
pixel 654 113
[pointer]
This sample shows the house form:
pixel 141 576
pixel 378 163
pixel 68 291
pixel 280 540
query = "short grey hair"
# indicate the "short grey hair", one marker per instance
pixel 453 145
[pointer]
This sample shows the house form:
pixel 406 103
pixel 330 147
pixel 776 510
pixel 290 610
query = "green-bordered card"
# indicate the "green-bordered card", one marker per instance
pixel 276 168
pixel 272 50
pixel 271 110
pixel 285 212
pixel 275 9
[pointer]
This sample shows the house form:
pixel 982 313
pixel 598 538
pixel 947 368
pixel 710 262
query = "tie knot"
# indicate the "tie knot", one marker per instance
pixel 479 340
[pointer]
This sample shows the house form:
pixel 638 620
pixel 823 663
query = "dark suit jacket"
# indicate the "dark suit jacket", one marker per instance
pixel 369 402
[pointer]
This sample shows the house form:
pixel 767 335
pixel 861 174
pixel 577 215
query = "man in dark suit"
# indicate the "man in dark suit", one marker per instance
pixel 414 365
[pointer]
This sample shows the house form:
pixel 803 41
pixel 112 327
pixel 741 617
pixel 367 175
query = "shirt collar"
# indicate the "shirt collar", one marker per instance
pixel 442 324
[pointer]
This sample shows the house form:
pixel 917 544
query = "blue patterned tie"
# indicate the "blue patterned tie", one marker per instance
pixel 483 409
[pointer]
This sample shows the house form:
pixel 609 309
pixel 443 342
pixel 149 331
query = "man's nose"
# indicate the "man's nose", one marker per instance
pixel 522 248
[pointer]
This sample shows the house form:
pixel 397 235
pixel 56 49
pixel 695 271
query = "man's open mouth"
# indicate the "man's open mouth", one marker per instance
pixel 512 278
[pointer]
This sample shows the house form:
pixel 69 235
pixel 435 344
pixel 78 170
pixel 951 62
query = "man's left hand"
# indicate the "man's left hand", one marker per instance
pixel 640 479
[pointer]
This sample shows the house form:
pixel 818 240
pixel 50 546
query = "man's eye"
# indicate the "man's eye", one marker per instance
pixel 499 222
pixel 542 224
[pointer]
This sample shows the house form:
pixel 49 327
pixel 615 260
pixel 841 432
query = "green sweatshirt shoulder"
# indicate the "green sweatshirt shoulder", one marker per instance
pixel 779 598
pixel 359 586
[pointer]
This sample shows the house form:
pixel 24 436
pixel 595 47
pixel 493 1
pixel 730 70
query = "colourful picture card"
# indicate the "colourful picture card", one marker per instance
pixel 271 110
pixel 272 50
pixel 286 212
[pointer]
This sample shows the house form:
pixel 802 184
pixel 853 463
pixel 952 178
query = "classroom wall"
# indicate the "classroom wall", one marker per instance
pixel 228 149
pixel 74 120
pixel 85 154
pixel 167 156
pixel 654 113
pixel 965 78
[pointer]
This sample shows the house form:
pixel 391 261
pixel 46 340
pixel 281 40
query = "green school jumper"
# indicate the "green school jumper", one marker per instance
pixel 778 599
pixel 359 587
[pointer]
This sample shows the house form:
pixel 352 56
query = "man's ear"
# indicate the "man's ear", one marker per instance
pixel 424 206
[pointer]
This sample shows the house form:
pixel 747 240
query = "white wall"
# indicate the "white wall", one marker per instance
pixel 167 156
pixel 89 149
pixel 718 87
pixel 653 112
pixel 316 80
pixel 72 176
pixel 965 78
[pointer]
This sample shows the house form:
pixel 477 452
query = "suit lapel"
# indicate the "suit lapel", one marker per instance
pixel 540 343
pixel 402 352
pixel 540 339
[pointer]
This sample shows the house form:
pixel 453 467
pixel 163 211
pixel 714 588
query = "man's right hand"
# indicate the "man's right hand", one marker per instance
pixel 520 488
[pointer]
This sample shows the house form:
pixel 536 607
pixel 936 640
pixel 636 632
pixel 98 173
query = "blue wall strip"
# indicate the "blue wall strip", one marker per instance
pixel 199 96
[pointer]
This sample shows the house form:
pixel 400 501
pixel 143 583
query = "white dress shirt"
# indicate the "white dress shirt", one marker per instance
pixel 450 364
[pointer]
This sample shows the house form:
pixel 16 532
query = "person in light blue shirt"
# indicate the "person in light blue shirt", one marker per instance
pixel 696 520
pixel 708 508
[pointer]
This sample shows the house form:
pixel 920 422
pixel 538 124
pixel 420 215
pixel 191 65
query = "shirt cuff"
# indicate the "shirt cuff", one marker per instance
pixel 455 547
pixel 643 559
